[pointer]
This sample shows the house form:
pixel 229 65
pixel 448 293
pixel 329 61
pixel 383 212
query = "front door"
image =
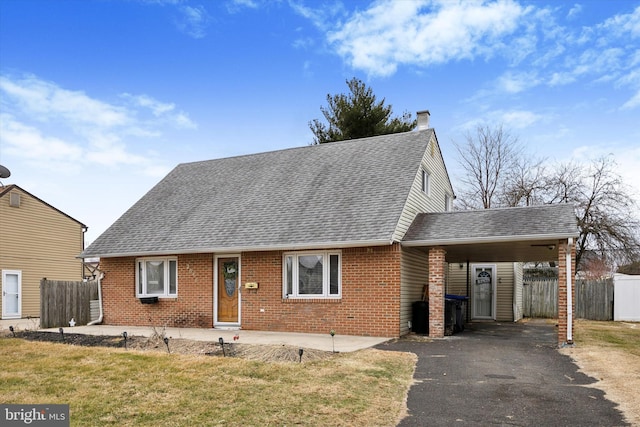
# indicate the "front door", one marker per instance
pixel 483 279
pixel 228 293
pixel 11 294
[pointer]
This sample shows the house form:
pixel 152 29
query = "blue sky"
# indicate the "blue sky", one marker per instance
pixel 100 99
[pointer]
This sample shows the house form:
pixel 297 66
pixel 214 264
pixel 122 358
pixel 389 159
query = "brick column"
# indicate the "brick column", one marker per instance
pixel 562 292
pixel 437 267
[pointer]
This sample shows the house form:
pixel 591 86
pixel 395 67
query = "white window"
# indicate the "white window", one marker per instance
pixel 312 275
pixel 426 184
pixel 157 277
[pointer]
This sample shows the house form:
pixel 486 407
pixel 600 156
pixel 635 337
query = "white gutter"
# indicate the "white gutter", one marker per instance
pixel 569 294
pixel 239 249
pixel 99 319
pixel 486 239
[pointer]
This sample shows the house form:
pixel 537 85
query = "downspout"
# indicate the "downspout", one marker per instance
pixel 99 319
pixel 569 293
pixel 468 304
pixel 515 292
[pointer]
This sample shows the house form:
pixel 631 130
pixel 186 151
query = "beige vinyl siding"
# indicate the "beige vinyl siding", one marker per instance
pixel 504 298
pixel 414 275
pixel 457 284
pixel 41 242
pixel 457 279
pixel 417 201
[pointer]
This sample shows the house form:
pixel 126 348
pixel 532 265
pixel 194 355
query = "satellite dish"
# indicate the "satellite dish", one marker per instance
pixel 4 172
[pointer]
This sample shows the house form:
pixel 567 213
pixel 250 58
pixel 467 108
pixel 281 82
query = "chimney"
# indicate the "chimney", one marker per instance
pixel 423 119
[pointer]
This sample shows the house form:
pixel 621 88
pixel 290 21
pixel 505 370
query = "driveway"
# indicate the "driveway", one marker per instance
pixel 501 374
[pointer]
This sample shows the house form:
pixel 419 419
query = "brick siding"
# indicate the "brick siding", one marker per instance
pixel 192 308
pixel 562 291
pixel 437 268
pixel 370 303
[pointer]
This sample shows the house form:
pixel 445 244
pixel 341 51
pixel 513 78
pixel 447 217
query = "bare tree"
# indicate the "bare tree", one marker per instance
pixel 487 158
pixel 525 183
pixel 498 173
pixel 604 207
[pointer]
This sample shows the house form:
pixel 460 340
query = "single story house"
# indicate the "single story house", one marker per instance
pixel 336 236
pixel 36 241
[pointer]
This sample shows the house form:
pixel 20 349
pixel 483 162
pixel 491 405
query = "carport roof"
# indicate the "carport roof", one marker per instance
pixel 505 234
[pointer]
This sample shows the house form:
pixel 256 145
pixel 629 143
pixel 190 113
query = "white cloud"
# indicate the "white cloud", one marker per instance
pixel 514 82
pixel 519 119
pixel 321 17
pixel 55 127
pixel 161 110
pixel 194 21
pixel 575 10
pixel 25 141
pixel 246 3
pixel 47 101
pixel 633 102
pixel 391 33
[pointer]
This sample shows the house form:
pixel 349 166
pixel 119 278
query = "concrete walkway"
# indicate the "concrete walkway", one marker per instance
pixel 343 343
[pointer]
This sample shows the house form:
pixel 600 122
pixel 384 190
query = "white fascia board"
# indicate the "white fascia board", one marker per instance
pixel 238 249
pixel 490 239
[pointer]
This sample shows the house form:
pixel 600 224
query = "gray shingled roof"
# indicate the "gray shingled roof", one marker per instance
pixel 525 223
pixel 333 194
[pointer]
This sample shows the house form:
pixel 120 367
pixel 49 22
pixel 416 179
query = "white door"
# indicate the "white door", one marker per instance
pixel 484 291
pixel 11 294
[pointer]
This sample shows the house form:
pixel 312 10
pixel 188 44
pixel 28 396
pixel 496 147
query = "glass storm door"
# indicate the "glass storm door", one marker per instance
pixel 228 290
pixel 483 291
pixel 11 303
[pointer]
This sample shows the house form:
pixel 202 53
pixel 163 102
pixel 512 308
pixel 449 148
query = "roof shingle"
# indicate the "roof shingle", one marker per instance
pixel 330 194
pixel 530 222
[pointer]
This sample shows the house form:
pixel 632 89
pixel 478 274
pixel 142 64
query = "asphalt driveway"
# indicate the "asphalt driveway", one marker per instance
pixel 501 374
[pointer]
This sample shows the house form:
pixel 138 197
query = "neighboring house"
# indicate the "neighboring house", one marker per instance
pixel 36 241
pixel 310 239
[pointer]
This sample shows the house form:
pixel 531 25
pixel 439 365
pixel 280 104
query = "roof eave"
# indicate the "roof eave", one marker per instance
pixel 489 239
pixel 246 248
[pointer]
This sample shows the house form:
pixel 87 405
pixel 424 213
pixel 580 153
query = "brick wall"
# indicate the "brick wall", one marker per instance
pixel 192 308
pixel 437 268
pixel 370 303
pixel 562 291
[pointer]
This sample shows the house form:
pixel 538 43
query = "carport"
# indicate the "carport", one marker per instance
pixel 525 234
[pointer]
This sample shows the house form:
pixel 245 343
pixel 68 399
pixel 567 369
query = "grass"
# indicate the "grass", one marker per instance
pixel 623 336
pixel 118 387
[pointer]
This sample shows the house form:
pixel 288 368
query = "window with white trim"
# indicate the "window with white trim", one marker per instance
pixel 156 277
pixel 312 275
pixel 426 182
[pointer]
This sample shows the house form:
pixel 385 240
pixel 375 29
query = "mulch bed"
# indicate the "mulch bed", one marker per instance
pixel 265 353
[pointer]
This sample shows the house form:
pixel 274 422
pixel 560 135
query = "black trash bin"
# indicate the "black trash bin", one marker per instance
pixel 420 321
pixel 456 304
pixel 449 316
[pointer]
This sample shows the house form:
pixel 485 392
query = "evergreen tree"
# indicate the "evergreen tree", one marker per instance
pixel 357 115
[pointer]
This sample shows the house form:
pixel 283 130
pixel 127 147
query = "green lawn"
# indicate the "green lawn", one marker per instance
pixel 118 387
pixel 615 335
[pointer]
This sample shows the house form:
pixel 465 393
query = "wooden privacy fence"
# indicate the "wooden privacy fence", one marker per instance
pixel 594 298
pixel 61 301
pixel 540 297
